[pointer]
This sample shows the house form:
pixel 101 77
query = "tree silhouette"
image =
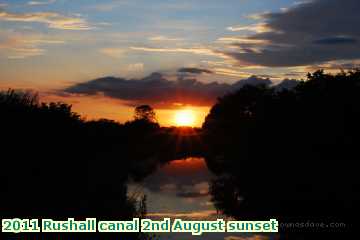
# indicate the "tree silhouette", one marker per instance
pixel 62 165
pixel 145 112
pixel 290 154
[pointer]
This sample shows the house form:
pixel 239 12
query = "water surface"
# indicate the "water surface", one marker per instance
pixel 180 189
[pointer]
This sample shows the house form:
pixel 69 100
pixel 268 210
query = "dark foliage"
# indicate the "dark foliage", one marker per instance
pixel 284 153
pixel 146 113
pixel 56 165
pixel 290 154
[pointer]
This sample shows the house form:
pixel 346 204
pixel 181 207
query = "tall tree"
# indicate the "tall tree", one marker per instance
pixel 145 112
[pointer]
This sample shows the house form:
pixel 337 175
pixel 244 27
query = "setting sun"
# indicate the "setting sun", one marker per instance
pixel 184 118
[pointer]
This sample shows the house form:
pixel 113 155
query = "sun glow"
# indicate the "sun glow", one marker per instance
pixel 185 118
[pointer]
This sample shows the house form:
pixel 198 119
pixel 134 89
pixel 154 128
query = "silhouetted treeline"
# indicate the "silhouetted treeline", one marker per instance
pixel 290 154
pixel 56 165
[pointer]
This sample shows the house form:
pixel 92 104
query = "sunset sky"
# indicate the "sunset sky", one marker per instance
pixel 105 57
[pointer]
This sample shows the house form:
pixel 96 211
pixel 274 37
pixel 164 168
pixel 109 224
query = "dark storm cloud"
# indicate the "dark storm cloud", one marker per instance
pixel 161 92
pixel 287 84
pixel 336 40
pixel 194 70
pixel 313 32
pixel 154 89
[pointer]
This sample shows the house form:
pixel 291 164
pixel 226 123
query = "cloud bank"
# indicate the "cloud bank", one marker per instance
pixel 194 70
pixel 161 92
pixel 309 33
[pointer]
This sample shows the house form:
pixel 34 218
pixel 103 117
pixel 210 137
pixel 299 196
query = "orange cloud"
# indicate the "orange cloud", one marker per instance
pixel 113 52
pixel 19 46
pixel 199 51
pixel 52 19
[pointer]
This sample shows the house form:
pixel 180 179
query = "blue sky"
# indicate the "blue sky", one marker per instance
pixel 112 27
pixel 50 45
